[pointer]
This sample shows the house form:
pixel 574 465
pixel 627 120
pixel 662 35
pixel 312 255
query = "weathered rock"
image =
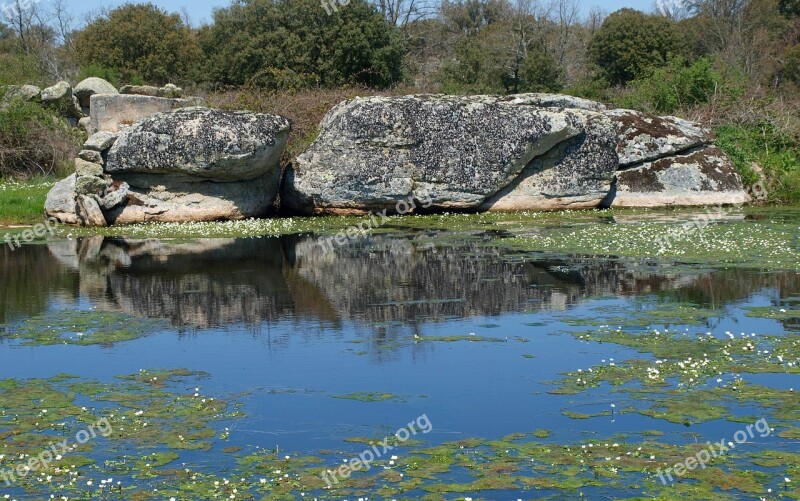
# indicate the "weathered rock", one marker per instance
pixel 576 174
pixel 90 185
pixel 168 91
pixel 91 156
pixel 91 86
pixel 544 100
pixel 165 200
pixel 100 141
pixel 643 137
pixel 114 198
pixel 21 92
pixel 85 168
pixel 60 98
pixel 203 143
pixel 373 152
pixel 701 177
pixel 60 202
pixel 114 113
pixel 89 211
pixel 85 124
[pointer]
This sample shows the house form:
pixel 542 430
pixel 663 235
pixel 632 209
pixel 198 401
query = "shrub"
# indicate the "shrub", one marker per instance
pixel 776 153
pixel 673 87
pixel 34 142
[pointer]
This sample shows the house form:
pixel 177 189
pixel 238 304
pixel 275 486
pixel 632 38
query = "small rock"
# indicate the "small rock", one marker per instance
pixel 91 86
pixel 114 198
pixel 85 124
pixel 89 211
pixel 91 156
pixel 89 185
pixel 101 141
pixel 86 168
pixel 171 90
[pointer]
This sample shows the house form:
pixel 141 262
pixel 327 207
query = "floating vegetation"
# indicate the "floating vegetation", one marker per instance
pixel 370 396
pixel 80 327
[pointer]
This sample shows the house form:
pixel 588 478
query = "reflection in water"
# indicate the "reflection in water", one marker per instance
pixel 385 279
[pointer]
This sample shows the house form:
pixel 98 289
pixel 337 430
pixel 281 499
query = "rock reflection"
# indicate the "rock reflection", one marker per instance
pixel 385 280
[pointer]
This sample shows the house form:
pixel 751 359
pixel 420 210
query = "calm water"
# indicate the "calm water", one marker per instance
pixel 284 327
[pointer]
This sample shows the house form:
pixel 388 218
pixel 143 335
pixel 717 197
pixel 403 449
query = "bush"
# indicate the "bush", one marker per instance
pixel 142 43
pixel 776 153
pixel 33 142
pixel 20 69
pixel 674 87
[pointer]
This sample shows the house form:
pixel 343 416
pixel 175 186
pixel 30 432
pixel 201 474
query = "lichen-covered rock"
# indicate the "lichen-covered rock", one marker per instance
pixel 60 202
pixel 576 174
pixel 203 143
pixel 86 168
pixel 117 196
pixel 61 98
pixel 644 137
pixel 100 142
pixel 153 198
pixel 89 185
pixel 701 177
pixel 91 156
pixel 460 150
pixel 544 100
pixel 91 86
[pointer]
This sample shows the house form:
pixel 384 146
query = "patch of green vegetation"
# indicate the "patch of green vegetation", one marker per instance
pixel 80 327
pixel 775 313
pixel 22 202
pixel 370 396
pixel 777 154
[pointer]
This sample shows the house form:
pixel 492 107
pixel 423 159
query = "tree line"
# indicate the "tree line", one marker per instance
pixel 456 46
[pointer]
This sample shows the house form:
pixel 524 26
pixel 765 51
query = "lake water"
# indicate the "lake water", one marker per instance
pixel 463 363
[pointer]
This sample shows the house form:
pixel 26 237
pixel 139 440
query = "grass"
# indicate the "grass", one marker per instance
pixel 22 202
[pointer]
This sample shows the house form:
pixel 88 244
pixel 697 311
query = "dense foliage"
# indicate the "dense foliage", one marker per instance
pixel 292 44
pixel 142 43
pixel 630 42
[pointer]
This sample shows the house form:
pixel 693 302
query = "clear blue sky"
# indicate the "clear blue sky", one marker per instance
pixel 200 10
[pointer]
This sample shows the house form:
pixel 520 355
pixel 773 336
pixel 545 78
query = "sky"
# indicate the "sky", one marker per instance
pixel 201 10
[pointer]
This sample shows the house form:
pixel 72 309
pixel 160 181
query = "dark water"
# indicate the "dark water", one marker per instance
pixel 287 326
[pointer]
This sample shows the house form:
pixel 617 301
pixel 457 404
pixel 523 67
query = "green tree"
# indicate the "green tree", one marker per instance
pixel 291 44
pixel 142 43
pixel 630 42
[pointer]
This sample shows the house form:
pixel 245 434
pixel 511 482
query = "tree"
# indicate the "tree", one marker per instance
pixel 142 43
pixel 629 42
pixel 291 44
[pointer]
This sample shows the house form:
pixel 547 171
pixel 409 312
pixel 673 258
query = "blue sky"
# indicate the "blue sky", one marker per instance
pixel 200 10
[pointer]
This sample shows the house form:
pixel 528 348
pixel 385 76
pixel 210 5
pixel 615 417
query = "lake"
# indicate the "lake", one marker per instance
pixel 600 355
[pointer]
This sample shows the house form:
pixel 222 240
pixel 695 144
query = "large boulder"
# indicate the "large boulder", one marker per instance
pixel 164 199
pixel 91 86
pixel 61 202
pixel 112 113
pixel 700 177
pixel 458 150
pixel 203 143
